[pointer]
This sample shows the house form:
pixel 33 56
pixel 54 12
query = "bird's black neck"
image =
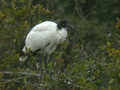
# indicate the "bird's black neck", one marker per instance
pixel 59 26
pixel 62 24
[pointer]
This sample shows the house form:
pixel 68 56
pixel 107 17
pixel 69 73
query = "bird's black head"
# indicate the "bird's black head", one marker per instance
pixel 62 24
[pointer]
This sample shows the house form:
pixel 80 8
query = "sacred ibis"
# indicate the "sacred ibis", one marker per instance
pixel 44 37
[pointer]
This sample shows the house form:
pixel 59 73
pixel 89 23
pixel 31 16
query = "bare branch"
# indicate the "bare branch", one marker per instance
pixel 21 73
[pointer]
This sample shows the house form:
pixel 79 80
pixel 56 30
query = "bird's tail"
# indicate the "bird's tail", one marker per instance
pixel 23 58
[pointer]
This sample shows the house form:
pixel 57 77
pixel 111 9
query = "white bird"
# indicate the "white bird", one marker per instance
pixel 44 37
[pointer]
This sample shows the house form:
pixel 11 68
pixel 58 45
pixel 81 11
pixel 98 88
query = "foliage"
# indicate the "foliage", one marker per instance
pixel 90 60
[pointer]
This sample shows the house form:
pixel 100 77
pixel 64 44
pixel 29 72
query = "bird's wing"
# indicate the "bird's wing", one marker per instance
pixel 45 26
pixel 37 40
pixel 41 35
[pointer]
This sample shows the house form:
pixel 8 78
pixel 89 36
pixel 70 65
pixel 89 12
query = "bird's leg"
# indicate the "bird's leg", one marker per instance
pixel 45 62
pixel 51 60
pixel 40 63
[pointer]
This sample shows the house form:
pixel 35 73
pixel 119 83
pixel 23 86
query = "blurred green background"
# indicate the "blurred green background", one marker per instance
pixel 90 61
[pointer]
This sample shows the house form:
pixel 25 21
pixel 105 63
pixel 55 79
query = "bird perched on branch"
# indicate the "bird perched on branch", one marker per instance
pixel 44 37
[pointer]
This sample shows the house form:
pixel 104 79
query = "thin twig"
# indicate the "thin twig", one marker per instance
pixel 76 8
pixel 21 73
pixel 11 80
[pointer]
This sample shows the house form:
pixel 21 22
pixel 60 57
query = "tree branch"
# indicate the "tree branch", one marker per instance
pixel 21 73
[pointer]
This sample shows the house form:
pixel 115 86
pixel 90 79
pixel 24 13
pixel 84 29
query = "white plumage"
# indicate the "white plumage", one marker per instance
pixel 45 37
